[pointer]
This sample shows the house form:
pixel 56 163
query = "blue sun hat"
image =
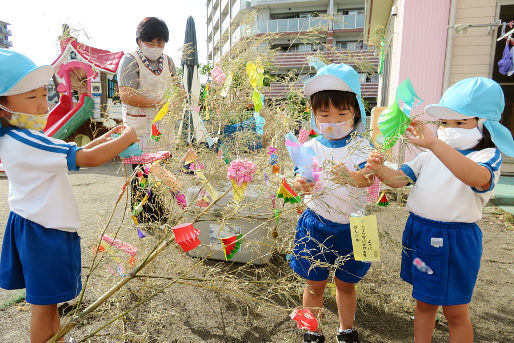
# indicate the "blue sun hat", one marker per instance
pixel 18 74
pixel 476 97
pixel 336 77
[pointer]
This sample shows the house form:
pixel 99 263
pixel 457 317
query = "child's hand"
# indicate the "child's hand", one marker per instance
pixel 421 135
pixel 130 133
pixel 375 161
pixel 301 185
pixel 341 175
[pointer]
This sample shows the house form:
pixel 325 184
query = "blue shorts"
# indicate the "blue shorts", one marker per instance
pixel 44 261
pixel 321 241
pixel 441 260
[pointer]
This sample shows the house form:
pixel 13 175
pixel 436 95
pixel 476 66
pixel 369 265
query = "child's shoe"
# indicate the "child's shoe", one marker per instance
pixel 313 337
pixel 347 336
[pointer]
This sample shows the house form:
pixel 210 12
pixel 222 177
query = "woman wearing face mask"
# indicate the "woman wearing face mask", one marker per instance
pixel 453 180
pixel 144 77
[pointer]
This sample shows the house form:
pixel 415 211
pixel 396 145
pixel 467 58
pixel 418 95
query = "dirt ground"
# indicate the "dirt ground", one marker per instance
pixel 195 310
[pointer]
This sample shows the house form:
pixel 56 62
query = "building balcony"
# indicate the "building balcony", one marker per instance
pixel 261 3
pixel 340 22
pixel 5 31
pixel 300 59
pixel 280 90
pixel 5 43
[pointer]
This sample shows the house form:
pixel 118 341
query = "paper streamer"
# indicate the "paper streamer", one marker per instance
pixel 118 244
pixel 210 189
pixel 162 112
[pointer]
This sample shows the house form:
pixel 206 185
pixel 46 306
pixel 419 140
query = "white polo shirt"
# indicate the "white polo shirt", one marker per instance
pixel 332 201
pixel 437 194
pixel 37 168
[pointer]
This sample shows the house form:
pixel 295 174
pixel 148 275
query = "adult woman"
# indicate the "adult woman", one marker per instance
pixel 144 77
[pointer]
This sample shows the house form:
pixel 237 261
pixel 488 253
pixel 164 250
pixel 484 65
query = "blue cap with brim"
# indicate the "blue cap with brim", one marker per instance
pixel 18 74
pixel 339 77
pixel 476 97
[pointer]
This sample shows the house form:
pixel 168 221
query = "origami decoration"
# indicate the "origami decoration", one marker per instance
pixel 222 154
pixel 276 214
pixel 190 156
pixel 156 134
pixel 203 179
pixel 231 245
pixel 162 112
pixel 240 172
pixel 139 207
pixel 218 75
pixel 140 233
pixel 256 77
pixel 226 85
pixel 186 236
pixel 393 121
pixel 313 134
pixel 166 176
pixel 382 201
pixel 286 192
pixel 303 136
pixel 275 169
pixel 304 319
pixel 180 199
pixel 302 158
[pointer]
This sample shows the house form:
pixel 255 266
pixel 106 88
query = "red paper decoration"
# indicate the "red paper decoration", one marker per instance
pixel 304 319
pixel 186 236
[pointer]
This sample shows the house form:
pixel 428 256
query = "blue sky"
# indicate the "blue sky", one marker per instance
pixel 107 24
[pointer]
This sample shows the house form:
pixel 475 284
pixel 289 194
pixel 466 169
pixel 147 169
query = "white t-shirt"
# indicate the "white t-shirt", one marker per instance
pixel 438 195
pixel 332 201
pixel 37 168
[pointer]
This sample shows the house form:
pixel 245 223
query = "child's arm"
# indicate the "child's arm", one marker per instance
pixel 106 151
pixel 103 138
pixel 464 169
pixel 392 178
pixel 361 178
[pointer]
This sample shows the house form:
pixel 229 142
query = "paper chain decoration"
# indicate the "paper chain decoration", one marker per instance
pixel 304 319
pixel 186 236
pixel 231 245
pixel 286 192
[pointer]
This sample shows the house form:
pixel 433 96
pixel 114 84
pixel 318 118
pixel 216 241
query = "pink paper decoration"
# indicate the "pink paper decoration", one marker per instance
pixel 303 136
pixel 218 75
pixel 241 171
pixel 116 243
pixel 374 191
pixel 186 236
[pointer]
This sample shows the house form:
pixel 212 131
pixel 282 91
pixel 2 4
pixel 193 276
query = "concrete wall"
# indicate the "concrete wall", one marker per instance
pixel 472 48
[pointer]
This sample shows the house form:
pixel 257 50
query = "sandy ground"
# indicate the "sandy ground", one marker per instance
pixel 196 311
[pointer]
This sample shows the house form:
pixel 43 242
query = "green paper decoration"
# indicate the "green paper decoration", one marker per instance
pixel 392 123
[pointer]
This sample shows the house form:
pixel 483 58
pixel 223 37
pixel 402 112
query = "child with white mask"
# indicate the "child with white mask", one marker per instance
pixel 453 180
pixel 323 231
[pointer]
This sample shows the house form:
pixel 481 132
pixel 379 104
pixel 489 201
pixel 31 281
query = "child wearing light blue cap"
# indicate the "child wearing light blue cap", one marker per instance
pixel 41 247
pixel 323 238
pixel 453 180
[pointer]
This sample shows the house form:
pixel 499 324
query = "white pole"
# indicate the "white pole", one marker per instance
pixel 449 45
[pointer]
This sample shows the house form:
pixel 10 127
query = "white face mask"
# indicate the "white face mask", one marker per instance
pixel 336 130
pixel 151 53
pixel 26 121
pixel 458 138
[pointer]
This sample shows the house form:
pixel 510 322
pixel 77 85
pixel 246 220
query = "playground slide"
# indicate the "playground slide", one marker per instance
pixel 62 121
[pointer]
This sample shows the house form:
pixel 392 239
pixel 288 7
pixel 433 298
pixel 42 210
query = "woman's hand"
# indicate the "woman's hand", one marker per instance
pixel 301 185
pixel 421 135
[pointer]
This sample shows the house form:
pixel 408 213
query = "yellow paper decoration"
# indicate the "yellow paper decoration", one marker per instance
pixel 162 112
pixel 210 189
pixel 364 231
pixel 238 191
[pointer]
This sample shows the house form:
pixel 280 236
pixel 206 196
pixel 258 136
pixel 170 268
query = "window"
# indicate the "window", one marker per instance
pixel 304 47
pixel 352 46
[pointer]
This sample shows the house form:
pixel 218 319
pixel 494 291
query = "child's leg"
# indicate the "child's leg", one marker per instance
pixel 346 299
pixel 424 321
pixel 459 323
pixel 313 297
pixel 44 323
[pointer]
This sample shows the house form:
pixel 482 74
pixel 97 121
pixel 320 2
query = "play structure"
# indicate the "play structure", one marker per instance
pixel 86 82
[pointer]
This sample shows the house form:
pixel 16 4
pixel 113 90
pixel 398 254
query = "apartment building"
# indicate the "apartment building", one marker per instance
pixel 338 24
pixel 5 33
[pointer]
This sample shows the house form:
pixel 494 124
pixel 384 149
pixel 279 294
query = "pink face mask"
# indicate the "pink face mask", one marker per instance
pixel 336 130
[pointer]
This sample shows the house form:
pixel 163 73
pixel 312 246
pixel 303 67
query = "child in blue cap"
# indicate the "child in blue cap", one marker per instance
pixel 323 239
pixel 453 180
pixel 41 247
